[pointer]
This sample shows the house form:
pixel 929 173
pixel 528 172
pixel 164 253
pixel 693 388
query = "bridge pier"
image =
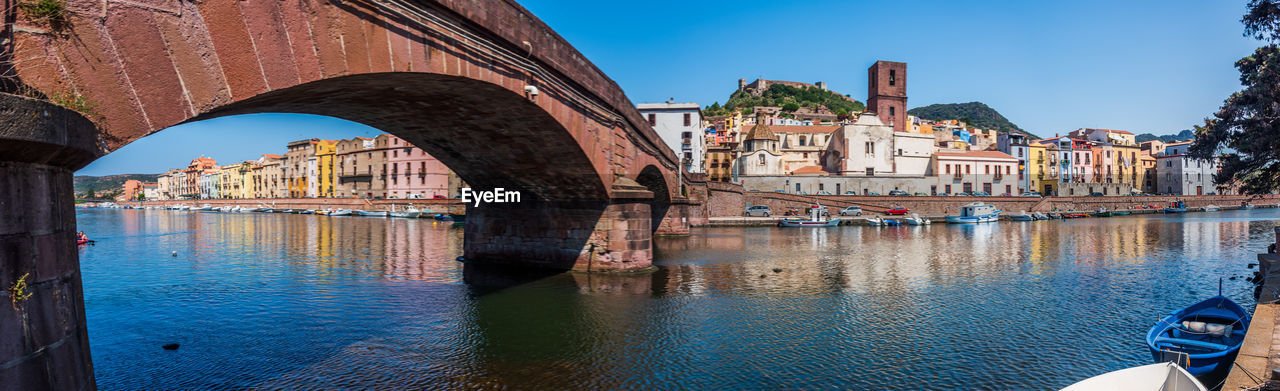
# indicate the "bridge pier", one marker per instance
pixel 44 344
pixel 587 235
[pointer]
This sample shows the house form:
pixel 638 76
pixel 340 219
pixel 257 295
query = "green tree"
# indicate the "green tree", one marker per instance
pixel 790 107
pixel 1249 120
pixel 90 194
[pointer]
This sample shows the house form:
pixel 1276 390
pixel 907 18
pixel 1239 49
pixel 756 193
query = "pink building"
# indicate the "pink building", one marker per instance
pixel 412 173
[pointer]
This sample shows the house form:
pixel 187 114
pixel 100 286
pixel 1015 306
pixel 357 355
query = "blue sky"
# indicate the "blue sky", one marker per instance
pixel 1050 67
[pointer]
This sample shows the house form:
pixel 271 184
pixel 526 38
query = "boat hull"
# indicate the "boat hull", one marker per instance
pixel 1022 217
pixel 1175 210
pixel 972 219
pixel 1207 356
pixel 809 223
pixel 1163 376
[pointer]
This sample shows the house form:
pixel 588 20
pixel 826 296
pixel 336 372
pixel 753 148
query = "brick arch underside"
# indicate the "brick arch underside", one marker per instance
pixel 652 179
pixel 490 136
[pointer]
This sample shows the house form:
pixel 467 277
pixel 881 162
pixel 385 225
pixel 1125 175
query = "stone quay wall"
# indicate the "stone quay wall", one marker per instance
pixel 728 200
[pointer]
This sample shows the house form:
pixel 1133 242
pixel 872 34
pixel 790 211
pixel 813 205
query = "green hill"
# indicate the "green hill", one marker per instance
pixel 976 114
pixel 1180 136
pixel 788 98
pixel 109 183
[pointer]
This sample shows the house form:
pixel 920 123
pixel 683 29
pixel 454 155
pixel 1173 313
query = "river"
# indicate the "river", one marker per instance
pixel 300 301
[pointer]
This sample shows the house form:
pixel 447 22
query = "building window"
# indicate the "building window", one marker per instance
pixel 653 119
pixel 948 168
pixel 987 169
pixel 890 111
pixel 946 189
pixel 819 186
pixel 968 169
pixel 797 188
pixel 871 171
pixel 1019 152
pixel 761 159
pixel 688 119
pixel 893 76
pixel 899 151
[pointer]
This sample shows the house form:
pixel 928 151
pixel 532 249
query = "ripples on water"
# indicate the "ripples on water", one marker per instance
pixel 300 301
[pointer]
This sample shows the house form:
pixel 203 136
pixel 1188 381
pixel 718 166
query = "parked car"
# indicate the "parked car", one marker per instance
pixel 824 192
pixel 872 193
pixel 981 194
pixel 1095 194
pixel 758 211
pixel 439 197
pixel 897 211
pixel 1030 194
pixel 898 193
pixel 962 194
pixel 851 211
pixel 850 192
pixel 943 195
pixel 921 194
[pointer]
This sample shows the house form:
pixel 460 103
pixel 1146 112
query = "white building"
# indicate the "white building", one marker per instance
pixel 993 172
pixel 680 126
pixel 1183 175
pixel 1015 144
pixel 760 154
pixel 209 185
pixel 871 148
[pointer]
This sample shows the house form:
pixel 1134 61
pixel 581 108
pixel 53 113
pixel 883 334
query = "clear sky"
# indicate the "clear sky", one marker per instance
pixel 1050 67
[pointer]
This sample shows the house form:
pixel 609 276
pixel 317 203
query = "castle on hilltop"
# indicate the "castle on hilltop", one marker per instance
pixel 760 85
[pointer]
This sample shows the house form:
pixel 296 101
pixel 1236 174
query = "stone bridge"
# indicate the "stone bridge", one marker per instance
pixel 484 86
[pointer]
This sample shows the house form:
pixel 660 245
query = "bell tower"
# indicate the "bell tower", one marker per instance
pixel 887 93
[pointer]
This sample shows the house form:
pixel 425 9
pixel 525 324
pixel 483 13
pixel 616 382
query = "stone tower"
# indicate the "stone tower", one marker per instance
pixel 887 93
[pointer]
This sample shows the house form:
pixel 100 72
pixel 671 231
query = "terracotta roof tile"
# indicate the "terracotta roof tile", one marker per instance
pixel 802 129
pixel 809 170
pixel 977 154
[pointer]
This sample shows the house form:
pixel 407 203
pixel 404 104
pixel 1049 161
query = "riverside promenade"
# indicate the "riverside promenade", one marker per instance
pixel 1260 353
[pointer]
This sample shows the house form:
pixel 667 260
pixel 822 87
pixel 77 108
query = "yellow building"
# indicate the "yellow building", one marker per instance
pixel 229 181
pixel 1035 167
pixel 326 176
pixel 297 167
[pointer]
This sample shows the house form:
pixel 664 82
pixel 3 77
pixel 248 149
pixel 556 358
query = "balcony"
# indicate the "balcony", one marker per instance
pixel 999 176
pixel 958 176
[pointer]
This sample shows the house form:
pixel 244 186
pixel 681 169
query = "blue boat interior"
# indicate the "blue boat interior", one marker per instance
pixel 1209 330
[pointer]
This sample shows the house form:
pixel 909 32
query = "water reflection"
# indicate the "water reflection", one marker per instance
pixel 298 301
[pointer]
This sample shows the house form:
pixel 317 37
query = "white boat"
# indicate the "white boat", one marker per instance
pixel 409 213
pixel 358 212
pixel 915 219
pixel 204 207
pixel 1040 216
pixel 1022 216
pixel 1212 208
pixel 1155 377
pixel 875 221
pixel 340 212
pixel 976 212
pixel 816 219
pixel 249 209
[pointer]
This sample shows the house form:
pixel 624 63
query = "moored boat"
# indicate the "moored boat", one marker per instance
pixel 358 212
pixel 409 213
pixel 816 219
pixel 1205 336
pixel 1103 212
pixel 1040 216
pixel 1022 216
pixel 1212 208
pixel 1120 213
pixel 1246 205
pixel 1176 207
pixel 976 212
pixel 340 212
pixel 1165 376
pixel 874 221
pixel 915 219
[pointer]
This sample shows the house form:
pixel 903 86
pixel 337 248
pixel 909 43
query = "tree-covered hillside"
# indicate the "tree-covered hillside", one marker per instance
pixel 1181 136
pixel 788 98
pixel 109 183
pixel 976 114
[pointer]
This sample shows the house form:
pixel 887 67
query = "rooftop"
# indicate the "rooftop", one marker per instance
pixel 668 106
pixel 809 170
